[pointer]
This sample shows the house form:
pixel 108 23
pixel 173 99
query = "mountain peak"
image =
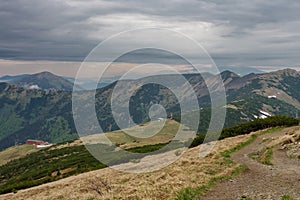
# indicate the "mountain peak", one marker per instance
pixel 44 74
pixel 228 74
pixel 241 70
pixel 44 80
pixel 287 72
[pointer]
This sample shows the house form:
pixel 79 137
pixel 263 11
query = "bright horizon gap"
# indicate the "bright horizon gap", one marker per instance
pixel 69 68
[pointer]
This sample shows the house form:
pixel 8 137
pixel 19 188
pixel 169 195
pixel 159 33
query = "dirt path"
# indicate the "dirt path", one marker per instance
pixel 261 181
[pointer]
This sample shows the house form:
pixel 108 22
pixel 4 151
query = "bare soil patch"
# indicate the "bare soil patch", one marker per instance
pixel 261 181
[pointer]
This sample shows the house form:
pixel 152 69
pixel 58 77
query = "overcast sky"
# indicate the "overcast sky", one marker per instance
pixel 234 32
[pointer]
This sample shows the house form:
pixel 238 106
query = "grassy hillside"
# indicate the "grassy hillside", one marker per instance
pixel 34 114
pixel 186 178
pixel 68 159
pixel 248 127
pixel 63 160
pixel 44 166
pixel 16 152
pixel 162 131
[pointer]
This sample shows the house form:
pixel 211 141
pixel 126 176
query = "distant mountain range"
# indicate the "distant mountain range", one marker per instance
pixel 42 80
pixel 46 80
pixel 241 71
pixel 32 113
pixel 9 78
pixel 88 84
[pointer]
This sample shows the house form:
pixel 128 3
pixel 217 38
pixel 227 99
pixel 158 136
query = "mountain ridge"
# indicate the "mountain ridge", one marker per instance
pixel 42 80
pixel 47 114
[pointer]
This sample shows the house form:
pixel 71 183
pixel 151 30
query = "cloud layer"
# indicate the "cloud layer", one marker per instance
pixel 235 32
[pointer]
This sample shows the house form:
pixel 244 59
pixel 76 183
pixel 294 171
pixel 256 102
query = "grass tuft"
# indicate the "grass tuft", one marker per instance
pixel 287 197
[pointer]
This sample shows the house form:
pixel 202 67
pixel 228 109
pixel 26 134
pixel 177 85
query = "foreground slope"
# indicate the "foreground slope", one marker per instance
pixel 72 158
pixel 187 172
pixel 16 152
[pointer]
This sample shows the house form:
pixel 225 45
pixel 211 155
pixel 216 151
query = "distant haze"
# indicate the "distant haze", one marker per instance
pixel 69 69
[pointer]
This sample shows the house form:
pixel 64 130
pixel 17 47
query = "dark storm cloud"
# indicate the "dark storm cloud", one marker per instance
pixel 236 31
pixel 43 29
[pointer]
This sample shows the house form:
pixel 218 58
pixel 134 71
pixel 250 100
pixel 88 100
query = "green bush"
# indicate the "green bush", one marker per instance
pixel 248 127
pixel 37 168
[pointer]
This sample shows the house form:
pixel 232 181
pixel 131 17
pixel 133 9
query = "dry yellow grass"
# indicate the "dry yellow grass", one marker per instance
pixel 68 144
pixel 188 170
pixel 231 106
pixel 16 152
pixel 124 140
pixel 144 133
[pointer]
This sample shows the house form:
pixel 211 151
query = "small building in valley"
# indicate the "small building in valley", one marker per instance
pixel 36 142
